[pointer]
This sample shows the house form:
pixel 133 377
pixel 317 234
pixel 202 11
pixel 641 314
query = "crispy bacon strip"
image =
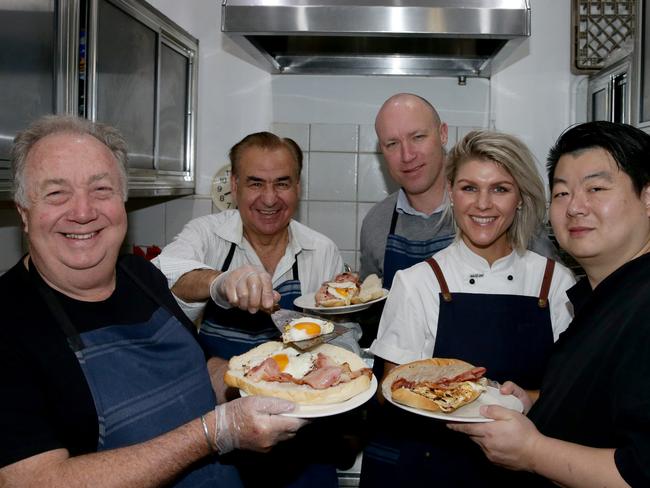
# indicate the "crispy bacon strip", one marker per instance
pixel 326 373
pixel 343 277
pixel 473 374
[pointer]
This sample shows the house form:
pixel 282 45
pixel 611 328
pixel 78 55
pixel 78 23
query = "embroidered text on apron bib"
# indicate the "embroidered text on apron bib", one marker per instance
pixel 512 337
pixel 227 333
pixel 402 253
pixel 146 379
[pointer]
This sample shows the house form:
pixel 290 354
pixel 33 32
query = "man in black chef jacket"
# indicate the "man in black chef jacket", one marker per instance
pixel 591 423
pixel 103 381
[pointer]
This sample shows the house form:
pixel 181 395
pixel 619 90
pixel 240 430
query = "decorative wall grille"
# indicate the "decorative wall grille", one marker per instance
pixel 599 28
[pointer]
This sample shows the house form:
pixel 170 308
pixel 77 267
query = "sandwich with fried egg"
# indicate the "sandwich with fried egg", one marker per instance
pixel 436 384
pixel 346 289
pixel 323 375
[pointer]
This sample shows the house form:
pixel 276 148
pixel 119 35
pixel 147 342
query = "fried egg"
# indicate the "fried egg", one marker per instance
pixel 341 290
pixel 306 328
pixel 288 360
pixel 294 363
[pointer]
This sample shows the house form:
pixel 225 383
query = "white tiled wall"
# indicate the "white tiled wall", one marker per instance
pixel 345 176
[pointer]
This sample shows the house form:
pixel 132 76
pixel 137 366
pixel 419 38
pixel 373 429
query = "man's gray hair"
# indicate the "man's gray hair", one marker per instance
pixel 53 124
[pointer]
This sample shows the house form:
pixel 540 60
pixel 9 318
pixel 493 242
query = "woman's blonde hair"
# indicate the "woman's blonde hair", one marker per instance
pixel 512 155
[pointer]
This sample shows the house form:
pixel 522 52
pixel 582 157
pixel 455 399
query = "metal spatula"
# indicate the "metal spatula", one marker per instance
pixel 282 317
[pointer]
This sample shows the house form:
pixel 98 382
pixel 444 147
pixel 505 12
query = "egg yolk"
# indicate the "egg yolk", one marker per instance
pixel 343 291
pixel 310 328
pixel 281 360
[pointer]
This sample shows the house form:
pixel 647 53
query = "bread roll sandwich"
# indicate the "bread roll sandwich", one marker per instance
pixel 345 289
pixel 369 290
pixel 325 374
pixel 437 384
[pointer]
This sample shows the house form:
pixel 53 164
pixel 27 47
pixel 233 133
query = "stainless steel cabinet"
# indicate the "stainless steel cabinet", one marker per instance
pixel 641 92
pixel 141 77
pixel 118 61
pixel 609 93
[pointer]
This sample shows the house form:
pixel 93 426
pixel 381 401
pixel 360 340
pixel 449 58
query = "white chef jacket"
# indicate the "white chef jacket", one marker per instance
pixel 205 241
pixel 409 322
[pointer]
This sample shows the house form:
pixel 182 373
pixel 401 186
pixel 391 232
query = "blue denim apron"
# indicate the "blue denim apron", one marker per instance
pixel 402 253
pixel 512 337
pixel 146 379
pixel 228 333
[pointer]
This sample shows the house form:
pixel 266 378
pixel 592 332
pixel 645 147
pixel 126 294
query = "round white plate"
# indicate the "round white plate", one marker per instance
pixel 314 411
pixel 307 302
pixel 469 412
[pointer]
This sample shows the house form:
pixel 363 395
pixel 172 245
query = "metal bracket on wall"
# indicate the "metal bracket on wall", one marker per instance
pixel 599 27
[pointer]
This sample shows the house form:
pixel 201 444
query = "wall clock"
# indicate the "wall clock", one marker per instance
pixel 221 192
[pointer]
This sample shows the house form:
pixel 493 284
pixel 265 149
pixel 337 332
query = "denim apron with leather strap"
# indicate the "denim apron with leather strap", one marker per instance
pixel 226 333
pixel 402 253
pixel 146 379
pixel 229 332
pixel 512 337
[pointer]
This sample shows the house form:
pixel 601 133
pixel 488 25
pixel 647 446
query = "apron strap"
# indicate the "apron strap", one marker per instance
pixel 294 268
pixel 59 313
pixel 393 221
pixel 444 289
pixel 231 253
pixel 546 283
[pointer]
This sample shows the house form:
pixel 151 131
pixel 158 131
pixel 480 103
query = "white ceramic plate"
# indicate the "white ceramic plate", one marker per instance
pixel 466 413
pixel 314 411
pixel 307 302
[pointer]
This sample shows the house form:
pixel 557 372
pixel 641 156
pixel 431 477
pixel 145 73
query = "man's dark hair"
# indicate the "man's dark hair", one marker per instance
pixel 628 146
pixel 267 141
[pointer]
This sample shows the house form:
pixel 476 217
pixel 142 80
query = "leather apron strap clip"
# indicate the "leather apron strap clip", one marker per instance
pixel 444 289
pixel 546 283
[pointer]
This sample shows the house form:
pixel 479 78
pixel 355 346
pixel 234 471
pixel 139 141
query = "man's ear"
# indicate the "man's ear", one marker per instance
pixel 444 133
pixel 24 214
pixel 233 189
pixel 645 198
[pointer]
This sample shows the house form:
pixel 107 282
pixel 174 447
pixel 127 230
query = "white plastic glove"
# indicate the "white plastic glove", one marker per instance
pixel 252 423
pixel 247 287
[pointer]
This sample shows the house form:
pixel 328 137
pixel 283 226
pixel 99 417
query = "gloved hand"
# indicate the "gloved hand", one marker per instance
pixel 247 287
pixel 252 423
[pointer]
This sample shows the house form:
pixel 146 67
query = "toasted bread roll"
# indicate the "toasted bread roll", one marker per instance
pixel 299 393
pixel 369 290
pixel 420 395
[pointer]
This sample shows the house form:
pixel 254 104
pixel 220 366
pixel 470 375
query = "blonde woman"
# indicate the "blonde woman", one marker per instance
pixel 485 299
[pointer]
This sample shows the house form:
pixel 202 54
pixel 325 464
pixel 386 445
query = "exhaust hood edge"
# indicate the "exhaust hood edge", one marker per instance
pixel 301 48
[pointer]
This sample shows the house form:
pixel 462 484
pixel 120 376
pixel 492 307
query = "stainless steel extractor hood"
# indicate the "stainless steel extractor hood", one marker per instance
pixel 380 37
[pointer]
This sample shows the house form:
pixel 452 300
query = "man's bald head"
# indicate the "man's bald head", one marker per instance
pixel 412 139
pixel 407 100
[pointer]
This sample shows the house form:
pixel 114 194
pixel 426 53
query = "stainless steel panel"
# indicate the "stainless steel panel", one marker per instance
pixel 174 79
pixel 27 65
pixel 434 37
pixel 484 18
pixel 125 80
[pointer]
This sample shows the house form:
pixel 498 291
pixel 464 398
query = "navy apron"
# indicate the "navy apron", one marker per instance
pixel 402 253
pixel 296 463
pixel 229 332
pixel 512 337
pixel 146 379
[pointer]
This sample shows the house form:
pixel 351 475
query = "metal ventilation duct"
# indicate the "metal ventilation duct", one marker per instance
pixel 364 37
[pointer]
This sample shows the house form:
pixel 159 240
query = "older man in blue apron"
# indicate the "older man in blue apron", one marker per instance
pixel 103 379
